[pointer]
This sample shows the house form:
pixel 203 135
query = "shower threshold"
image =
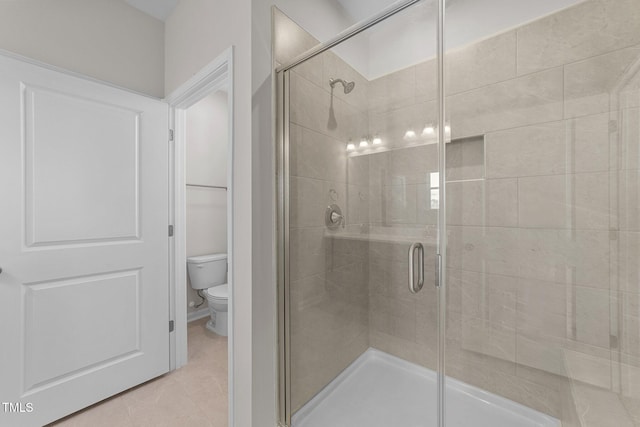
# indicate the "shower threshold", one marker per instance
pixel 381 390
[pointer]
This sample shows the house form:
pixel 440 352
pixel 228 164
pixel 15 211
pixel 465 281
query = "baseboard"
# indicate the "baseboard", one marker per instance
pixel 197 315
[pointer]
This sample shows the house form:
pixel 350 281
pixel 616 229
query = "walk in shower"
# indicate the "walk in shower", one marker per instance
pixel 459 217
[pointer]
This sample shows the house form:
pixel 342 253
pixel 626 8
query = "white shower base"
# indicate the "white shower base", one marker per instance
pixel 380 390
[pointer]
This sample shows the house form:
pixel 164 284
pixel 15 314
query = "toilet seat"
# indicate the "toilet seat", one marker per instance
pixel 218 293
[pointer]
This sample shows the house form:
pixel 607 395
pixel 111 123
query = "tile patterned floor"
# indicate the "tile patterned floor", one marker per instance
pixel 194 395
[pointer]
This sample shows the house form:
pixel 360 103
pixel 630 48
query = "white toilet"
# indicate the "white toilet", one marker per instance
pixel 210 272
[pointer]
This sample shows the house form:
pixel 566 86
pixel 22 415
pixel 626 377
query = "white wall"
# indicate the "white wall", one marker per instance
pixel 207 133
pixel 105 39
pixel 196 33
pixel 206 161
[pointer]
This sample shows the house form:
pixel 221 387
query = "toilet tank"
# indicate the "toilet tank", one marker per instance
pixel 206 271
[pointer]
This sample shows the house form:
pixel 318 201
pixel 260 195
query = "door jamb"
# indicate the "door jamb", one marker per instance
pixel 216 75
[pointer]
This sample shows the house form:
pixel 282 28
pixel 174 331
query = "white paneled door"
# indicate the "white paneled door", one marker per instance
pixel 84 293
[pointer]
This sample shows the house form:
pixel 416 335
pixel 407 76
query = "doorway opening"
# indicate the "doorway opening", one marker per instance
pixel 201 116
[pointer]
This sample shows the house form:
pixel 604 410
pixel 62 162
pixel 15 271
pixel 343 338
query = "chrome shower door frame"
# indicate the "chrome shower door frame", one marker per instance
pixel 283 224
pixel 281 87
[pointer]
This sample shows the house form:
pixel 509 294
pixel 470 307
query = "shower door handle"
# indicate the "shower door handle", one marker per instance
pixel 414 286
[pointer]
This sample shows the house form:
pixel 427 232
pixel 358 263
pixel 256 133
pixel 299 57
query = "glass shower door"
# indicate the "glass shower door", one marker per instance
pixel 543 210
pixel 360 206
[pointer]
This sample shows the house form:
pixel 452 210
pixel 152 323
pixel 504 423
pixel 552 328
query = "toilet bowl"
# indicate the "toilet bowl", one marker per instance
pixel 218 300
pixel 208 273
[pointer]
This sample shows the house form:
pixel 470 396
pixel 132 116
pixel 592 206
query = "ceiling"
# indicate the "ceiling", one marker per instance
pixel 159 9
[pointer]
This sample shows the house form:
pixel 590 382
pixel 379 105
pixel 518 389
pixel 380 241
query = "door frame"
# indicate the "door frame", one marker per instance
pixel 215 76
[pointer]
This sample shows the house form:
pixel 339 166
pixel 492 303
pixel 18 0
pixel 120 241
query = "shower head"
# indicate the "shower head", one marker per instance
pixel 348 86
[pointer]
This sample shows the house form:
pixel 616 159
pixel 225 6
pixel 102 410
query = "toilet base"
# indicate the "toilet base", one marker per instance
pixel 218 323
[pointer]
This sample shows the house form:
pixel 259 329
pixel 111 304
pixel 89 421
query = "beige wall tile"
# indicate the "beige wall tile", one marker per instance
pixel 426 81
pixel 307 252
pixel 311 70
pixel 625 307
pixel 590 84
pixel 308 292
pixel 357 204
pixel 348 280
pixel 539 397
pixel 565 256
pixel 312 115
pixel 424 355
pixel 399 202
pixel 588 369
pixel 499 379
pixel 629 341
pixel 537 376
pixel 483 63
pixel 625 199
pixel 483 249
pixel 592 316
pixel 588 143
pixel 358 170
pixel 489 297
pixel 377 210
pixel 307 202
pixel 598 407
pixel 312 366
pixel 582 31
pixel 314 155
pixel 542 201
pixel 625 142
pixel 388 277
pixel 427 311
pixel 513 103
pixel 527 151
pixel 454 291
pixel 483 202
pixel 462 363
pixel 542 308
pixel 630 383
pixel 393 316
pixel 502 202
pixel 564 201
pixel 392 91
pixel 590 204
pixel 487 338
pixel 466 202
pixel 540 353
pixel 625 269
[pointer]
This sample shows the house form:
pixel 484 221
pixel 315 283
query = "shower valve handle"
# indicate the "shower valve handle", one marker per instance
pixel 336 217
pixel 333 217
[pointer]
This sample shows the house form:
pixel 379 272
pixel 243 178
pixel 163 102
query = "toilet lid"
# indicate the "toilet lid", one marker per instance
pixel 219 292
